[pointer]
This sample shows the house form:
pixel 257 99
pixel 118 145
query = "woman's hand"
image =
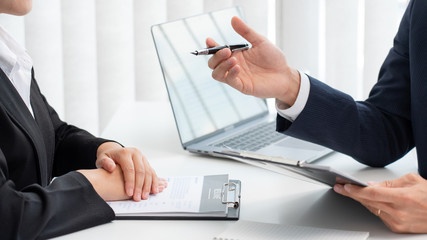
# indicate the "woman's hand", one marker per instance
pixel 401 204
pixel 140 178
pixel 108 185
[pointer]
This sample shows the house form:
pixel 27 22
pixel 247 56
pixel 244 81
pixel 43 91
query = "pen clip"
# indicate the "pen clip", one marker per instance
pixel 242 48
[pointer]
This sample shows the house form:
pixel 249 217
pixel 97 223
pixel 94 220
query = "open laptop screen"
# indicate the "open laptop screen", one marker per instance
pixel 200 104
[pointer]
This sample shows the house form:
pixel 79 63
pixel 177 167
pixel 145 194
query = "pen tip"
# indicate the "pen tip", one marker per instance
pixel 195 53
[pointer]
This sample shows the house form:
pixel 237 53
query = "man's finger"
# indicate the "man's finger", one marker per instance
pixel 373 210
pixel 373 193
pixel 404 181
pixel 218 58
pixel 378 208
pixel 220 72
pixel 245 31
pixel 232 80
pixel 211 43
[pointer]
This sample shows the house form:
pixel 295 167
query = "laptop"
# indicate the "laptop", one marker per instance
pixel 210 116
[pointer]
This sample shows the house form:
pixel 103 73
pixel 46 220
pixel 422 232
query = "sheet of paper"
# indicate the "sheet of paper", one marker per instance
pixel 183 194
pixel 245 230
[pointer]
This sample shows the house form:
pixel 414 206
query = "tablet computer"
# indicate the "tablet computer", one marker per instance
pixel 323 174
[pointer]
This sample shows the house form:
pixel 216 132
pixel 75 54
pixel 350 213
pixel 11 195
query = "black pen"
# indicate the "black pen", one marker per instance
pixel 213 50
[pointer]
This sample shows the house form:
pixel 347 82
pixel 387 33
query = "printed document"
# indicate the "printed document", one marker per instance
pixel 184 196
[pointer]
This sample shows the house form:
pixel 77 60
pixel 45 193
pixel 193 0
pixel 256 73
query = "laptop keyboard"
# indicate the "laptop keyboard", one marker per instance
pixel 252 139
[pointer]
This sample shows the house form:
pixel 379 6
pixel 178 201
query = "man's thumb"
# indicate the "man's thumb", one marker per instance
pixel 245 31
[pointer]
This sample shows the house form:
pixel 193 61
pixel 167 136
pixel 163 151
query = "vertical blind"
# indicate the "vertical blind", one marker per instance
pixel 342 43
pixel 92 56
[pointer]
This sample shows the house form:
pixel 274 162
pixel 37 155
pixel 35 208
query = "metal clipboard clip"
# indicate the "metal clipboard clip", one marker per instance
pixel 229 189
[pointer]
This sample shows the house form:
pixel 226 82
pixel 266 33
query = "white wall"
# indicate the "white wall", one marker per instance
pixel 342 43
pixel 92 56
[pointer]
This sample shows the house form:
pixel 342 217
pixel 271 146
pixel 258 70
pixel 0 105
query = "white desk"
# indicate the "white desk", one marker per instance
pixel 266 196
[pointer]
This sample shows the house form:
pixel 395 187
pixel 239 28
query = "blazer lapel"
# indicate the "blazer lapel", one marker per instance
pixel 19 112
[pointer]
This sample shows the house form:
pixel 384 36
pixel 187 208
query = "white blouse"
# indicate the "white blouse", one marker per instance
pixel 16 64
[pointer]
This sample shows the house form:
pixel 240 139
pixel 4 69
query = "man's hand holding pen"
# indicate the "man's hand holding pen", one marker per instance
pixel 261 71
pixel 213 50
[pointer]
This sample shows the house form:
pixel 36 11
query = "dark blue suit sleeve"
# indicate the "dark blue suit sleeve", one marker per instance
pixel 377 131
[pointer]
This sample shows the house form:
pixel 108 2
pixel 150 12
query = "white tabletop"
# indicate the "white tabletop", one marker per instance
pixel 266 196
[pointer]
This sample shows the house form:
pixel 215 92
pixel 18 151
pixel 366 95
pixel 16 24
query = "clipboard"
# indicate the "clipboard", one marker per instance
pixel 219 200
pixel 232 188
pixel 322 174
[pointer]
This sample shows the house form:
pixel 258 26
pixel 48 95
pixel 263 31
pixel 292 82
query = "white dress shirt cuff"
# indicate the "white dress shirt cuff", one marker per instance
pixel 294 111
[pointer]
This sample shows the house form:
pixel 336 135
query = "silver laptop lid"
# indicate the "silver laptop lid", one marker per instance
pixel 202 106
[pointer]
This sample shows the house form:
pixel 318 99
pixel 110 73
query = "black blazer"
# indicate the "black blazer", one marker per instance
pixel 392 120
pixel 32 152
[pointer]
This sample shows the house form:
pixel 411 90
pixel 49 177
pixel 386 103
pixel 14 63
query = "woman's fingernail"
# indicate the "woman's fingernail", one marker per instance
pixel 145 195
pixel 138 197
pixel 130 191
